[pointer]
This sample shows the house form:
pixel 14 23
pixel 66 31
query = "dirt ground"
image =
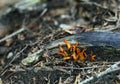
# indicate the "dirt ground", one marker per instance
pixel 50 68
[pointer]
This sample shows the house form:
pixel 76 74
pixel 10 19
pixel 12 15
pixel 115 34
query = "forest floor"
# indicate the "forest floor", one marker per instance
pixel 27 58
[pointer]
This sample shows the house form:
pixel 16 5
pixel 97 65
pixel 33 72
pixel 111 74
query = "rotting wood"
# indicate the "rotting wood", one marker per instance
pixel 93 38
pixel 100 38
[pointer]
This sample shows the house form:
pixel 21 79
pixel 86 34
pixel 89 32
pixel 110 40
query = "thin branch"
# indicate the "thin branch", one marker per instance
pixel 15 57
pixel 114 68
pixel 23 27
pixel 79 68
pixel 13 34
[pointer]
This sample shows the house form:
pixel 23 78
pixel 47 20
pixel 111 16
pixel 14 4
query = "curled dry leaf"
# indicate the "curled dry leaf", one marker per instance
pixel 21 37
pixel 3 31
pixel 9 41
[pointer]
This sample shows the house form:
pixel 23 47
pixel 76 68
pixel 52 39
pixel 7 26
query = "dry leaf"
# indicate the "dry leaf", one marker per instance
pixel 9 41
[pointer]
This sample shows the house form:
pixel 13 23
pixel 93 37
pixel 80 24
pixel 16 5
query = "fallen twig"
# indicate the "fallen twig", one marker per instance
pixel 15 57
pixel 23 27
pixel 61 67
pixel 114 68
pixel 13 34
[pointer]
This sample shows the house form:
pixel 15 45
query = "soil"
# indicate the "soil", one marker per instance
pixel 50 68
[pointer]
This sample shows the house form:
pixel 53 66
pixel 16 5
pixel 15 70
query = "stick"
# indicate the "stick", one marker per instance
pixel 15 57
pixel 13 34
pixel 112 69
pixel 21 29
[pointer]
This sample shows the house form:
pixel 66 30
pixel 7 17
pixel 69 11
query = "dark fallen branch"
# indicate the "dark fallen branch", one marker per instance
pixel 94 38
pixel 100 38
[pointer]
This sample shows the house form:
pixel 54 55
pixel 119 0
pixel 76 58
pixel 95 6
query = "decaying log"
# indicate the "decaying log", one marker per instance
pixel 93 38
pixel 100 38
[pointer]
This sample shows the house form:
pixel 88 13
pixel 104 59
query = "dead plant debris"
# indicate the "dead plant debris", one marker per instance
pixel 39 41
